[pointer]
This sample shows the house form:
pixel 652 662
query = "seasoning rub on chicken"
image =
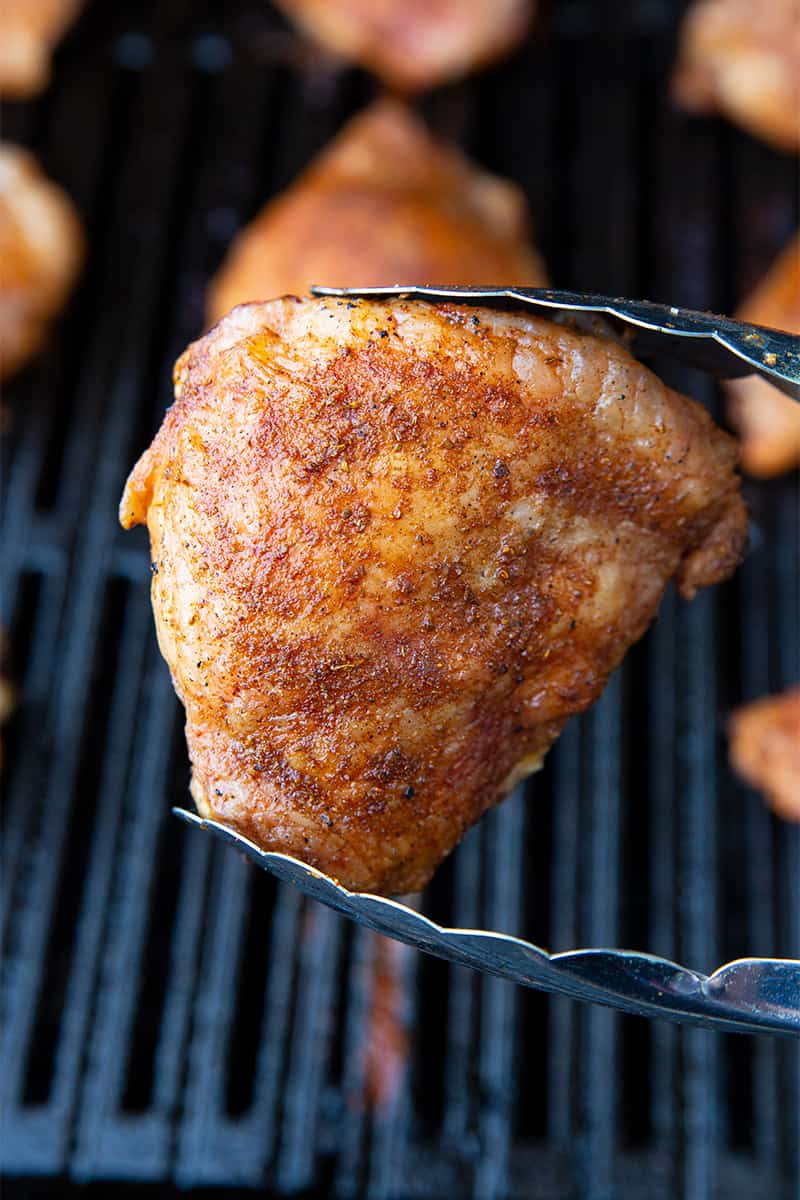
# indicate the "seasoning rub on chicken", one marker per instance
pixel 414 44
pixel 386 202
pixel 395 546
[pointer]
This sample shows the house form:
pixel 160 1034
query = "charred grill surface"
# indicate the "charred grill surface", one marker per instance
pixel 171 1015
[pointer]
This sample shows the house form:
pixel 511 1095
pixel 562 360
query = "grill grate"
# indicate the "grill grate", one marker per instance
pixel 169 1014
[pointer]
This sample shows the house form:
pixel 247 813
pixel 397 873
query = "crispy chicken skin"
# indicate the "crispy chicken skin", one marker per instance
pixel 395 546
pixel 29 30
pixel 41 248
pixel 414 44
pixel 386 202
pixel 767 421
pixel 742 58
pixel 765 749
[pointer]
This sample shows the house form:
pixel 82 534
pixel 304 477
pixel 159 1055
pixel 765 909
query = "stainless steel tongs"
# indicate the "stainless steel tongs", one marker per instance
pixel 711 343
pixel 748 995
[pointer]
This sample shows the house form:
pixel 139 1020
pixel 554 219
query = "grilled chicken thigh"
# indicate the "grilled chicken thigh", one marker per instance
pixel 768 422
pixel 742 58
pixel 765 749
pixel 29 30
pixel 41 248
pixel 386 202
pixel 414 44
pixel 395 546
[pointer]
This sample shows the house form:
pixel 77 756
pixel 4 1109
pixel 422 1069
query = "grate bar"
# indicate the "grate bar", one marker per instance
pixel 218 1148
pixel 497 1081
pixel 662 870
pixel 686 255
pixel 286 921
pixel 388 1152
pixel 696 896
pixel 320 937
pixel 596 1098
pixel 375 1131
pixel 348 1182
pixel 564 925
pixel 462 1003
pixel 696 801
pixel 598 1027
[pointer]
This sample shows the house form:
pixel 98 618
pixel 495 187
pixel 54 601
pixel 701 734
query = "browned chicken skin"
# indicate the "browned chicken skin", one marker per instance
pixel 414 44
pixel 395 546
pixel 742 58
pixel 41 248
pixel 765 749
pixel 29 30
pixel 768 422
pixel 386 202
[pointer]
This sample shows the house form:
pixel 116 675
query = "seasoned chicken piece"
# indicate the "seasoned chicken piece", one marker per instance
pixel 742 58
pixel 29 30
pixel 395 546
pixel 414 44
pixel 41 248
pixel 765 749
pixel 385 203
pixel 768 422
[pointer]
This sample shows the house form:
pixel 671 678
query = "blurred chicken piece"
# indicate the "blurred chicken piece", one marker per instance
pixel 41 247
pixel 395 546
pixel 768 422
pixel 765 750
pixel 742 58
pixel 7 691
pixel 414 44
pixel 29 29
pixel 385 1042
pixel 386 202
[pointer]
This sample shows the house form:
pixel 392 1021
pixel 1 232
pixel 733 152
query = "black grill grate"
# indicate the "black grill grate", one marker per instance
pixel 168 1013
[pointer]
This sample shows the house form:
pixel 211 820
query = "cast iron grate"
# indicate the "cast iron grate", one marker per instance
pixel 170 1014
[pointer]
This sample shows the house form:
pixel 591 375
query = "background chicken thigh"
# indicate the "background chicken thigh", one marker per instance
pixel 414 44
pixel 386 202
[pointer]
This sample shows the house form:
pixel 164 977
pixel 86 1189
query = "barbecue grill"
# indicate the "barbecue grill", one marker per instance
pixel 171 1015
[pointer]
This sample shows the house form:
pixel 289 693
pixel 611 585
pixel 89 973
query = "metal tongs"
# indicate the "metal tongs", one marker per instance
pixel 718 345
pixel 747 995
